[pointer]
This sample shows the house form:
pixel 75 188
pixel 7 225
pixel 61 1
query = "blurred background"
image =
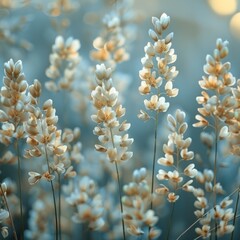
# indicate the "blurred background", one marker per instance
pixel 28 30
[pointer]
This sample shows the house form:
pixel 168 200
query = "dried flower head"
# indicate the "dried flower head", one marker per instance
pixel 158 56
pixel 176 150
pixel 63 52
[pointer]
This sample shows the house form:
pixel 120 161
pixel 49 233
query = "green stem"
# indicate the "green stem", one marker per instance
pixel 215 172
pixel 176 187
pixel 59 206
pixel 154 158
pixel 170 221
pixel 53 194
pixel 119 188
pixel 120 200
pixel 235 213
pixel 154 162
pixel 20 190
pixel 10 215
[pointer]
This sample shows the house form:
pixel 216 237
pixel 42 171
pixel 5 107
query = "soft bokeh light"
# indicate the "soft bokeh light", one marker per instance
pixel 223 7
pixel 235 25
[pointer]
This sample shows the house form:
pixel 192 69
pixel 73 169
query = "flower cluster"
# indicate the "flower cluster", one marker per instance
pixel 15 100
pixel 220 213
pixel 219 80
pixel 63 52
pixel 110 47
pixel 88 204
pixel 234 126
pixel 43 137
pixel 176 151
pixel 4 214
pixel 137 214
pixel 158 57
pixel 12 25
pixel 110 130
pixel 218 102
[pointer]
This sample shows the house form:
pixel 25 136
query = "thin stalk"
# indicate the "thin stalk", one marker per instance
pixel 235 213
pixel 120 200
pixel 154 161
pixel 53 194
pixel 20 190
pixel 10 215
pixel 86 232
pixel 59 206
pixel 183 233
pixel 154 158
pixel 215 171
pixel 119 188
pixel 172 211
pixel 170 221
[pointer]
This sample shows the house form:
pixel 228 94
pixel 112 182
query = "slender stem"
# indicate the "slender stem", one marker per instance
pixel 53 193
pixel 154 162
pixel 154 158
pixel 176 187
pixel 170 221
pixel 10 215
pixel 183 233
pixel 235 213
pixel 59 206
pixel 119 188
pixel 120 200
pixel 20 190
pixel 215 171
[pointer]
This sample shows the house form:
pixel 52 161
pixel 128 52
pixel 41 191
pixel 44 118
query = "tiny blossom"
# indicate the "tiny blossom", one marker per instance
pixel 223 132
pixel 4 231
pixel 34 178
pixel 4 214
pixel 224 228
pixel 204 231
pixel 143 115
pixel 135 231
pixel 202 121
pixel 190 170
pixel 172 197
pixel 157 104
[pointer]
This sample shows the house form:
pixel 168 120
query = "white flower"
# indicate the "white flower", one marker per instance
pixel 163 106
pixel 4 214
pixel 224 132
pixel 34 177
pixel 190 171
pixel 102 72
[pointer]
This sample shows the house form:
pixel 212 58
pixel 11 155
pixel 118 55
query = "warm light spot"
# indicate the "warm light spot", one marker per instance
pixel 235 25
pixel 223 7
